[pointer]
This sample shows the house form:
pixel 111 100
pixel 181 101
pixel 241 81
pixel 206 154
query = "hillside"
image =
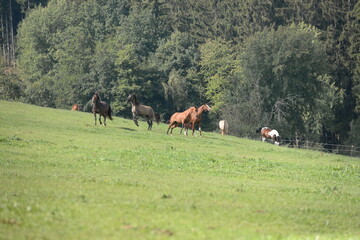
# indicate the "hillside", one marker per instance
pixel 64 178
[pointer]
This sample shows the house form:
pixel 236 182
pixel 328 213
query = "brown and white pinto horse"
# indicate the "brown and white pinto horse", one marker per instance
pixel 75 107
pixel 147 112
pixel 269 133
pixel 181 118
pixel 196 118
pixel 100 107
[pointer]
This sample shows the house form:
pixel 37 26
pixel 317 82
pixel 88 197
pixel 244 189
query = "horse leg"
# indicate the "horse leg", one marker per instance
pixel 149 121
pixel 193 128
pixel 186 128
pixel 100 119
pixel 172 126
pixel 135 119
pixel 95 117
pixel 200 128
pixel 169 129
pixel 263 139
pixel 104 120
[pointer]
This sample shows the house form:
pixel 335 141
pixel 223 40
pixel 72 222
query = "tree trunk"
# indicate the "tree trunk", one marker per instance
pixel 12 37
pixel 3 45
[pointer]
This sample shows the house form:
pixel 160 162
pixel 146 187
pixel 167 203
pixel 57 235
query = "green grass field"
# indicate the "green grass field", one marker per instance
pixel 64 178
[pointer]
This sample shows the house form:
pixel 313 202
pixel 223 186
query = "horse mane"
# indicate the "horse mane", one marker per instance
pixel 98 95
pixel 133 97
pixel 202 107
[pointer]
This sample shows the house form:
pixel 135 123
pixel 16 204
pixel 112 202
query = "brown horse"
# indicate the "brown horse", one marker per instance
pixel 181 118
pixel 224 127
pixel 269 133
pixel 100 107
pixel 75 107
pixel 142 110
pixel 196 117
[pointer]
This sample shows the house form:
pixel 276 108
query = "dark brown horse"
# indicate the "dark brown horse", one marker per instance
pixel 269 133
pixel 101 108
pixel 181 118
pixel 75 107
pixel 141 110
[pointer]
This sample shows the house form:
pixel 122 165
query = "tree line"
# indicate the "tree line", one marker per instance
pixel 293 65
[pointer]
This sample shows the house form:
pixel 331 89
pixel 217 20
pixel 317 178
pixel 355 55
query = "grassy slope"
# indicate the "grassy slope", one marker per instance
pixel 61 177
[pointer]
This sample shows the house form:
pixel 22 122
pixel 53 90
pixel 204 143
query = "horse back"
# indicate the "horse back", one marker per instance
pixel 223 125
pixel 265 132
pixel 101 107
pixel 175 117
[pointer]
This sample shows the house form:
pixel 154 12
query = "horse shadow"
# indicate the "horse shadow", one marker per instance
pixel 127 129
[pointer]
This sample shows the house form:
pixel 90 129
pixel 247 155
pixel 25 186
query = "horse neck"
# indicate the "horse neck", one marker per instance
pixel 135 103
pixel 191 110
pixel 201 110
pixel 97 103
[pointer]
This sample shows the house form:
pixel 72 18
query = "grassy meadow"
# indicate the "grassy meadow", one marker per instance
pixel 61 177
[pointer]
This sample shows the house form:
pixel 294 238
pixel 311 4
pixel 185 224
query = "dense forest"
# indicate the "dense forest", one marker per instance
pixel 293 65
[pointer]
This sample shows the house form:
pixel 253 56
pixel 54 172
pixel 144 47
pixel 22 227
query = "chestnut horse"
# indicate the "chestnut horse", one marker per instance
pixel 269 133
pixel 101 108
pixel 75 107
pixel 196 117
pixel 142 110
pixel 181 118
pixel 224 127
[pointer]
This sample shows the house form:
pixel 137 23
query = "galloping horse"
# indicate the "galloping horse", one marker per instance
pixel 224 127
pixel 142 110
pixel 269 133
pixel 75 107
pixel 181 117
pixel 196 117
pixel 100 107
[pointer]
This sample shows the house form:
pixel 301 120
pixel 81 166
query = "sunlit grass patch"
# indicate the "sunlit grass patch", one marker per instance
pixel 62 177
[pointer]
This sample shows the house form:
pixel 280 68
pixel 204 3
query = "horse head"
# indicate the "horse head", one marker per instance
pixel 258 130
pixel 132 98
pixel 95 97
pixel 207 107
pixel 277 140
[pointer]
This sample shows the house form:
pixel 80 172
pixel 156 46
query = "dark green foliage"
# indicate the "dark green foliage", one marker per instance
pixel 10 84
pixel 292 64
pixel 353 33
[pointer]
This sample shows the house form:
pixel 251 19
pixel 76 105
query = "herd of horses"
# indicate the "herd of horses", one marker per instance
pixel 187 119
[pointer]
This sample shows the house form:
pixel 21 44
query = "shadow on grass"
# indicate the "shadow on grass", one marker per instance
pixel 127 129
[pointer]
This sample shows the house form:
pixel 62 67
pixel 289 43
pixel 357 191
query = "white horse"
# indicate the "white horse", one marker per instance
pixel 224 127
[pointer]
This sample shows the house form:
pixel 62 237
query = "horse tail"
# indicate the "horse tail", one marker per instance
pixel 109 113
pixel 157 118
